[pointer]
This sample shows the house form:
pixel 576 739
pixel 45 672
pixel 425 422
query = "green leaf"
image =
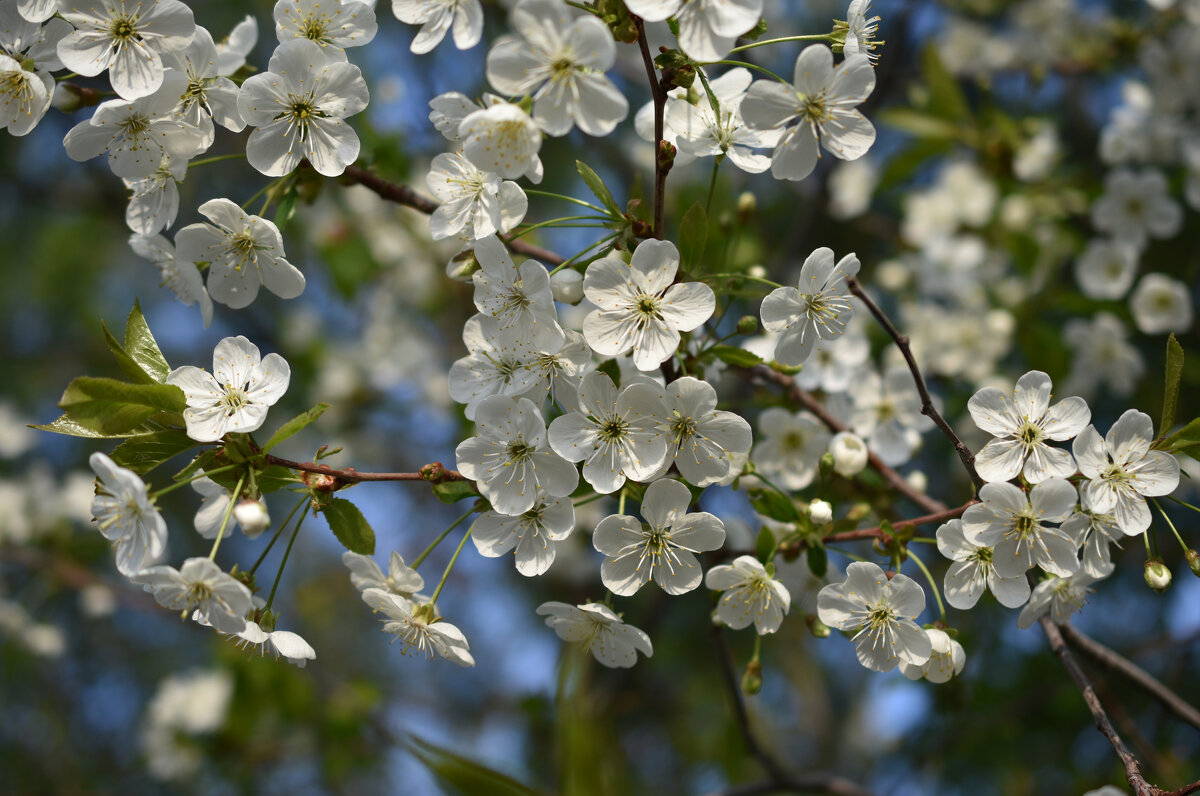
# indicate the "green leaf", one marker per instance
pixel 69 427
pixel 268 479
pixel 1171 393
pixel 597 187
pixel 129 366
pixel 113 407
pixel 203 461
pixel 287 207
pixel 818 559
pixel 946 98
pixel 764 546
pixel 350 526
pixel 770 503
pixel 142 346
pixel 143 453
pixel 738 357
pixel 454 491
pixel 693 236
pixel 294 425
pixel 919 123
pixel 463 775
pixel 1186 437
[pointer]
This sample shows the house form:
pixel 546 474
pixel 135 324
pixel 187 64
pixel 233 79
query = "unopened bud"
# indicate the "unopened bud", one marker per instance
pixel 1158 577
pixel 849 453
pixel 820 512
pixel 666 155
pixel 252 516
pixel 917 480
pixel 815 626
pixel 747 203
pixel 747 324
pixel 758 271
pixel 1193 559
pixel 462 266
pixel 752 678
pixel 567 286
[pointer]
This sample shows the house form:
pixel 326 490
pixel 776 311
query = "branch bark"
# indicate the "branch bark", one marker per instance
pixel 664 152
pixel 878 533
pixel 434 472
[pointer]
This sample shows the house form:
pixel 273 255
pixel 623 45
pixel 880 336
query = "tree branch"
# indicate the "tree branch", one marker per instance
pixel 434 472
pixel 402 194
pixel 1140 677
pixel 664 152
pixel 878 532
pixel 927 407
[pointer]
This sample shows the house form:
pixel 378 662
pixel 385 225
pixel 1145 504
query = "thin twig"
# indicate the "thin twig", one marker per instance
pixel 927 407
pixel 1140 677
pixel 879 533
pixel 402 194
pixel 662 162
pixel 434 473
pixel 894 479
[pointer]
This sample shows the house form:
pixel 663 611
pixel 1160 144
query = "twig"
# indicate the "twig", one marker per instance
pixel 402 194
pixel 434 473
pixel 927 407
pixel 664 153
pixel 894 479
pixel 1140 677
pixel 878 532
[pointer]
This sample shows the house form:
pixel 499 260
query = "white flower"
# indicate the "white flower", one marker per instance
pixel 1121 469
pixel 333 24
pixel 600 631
pixel 818 309
pixel 702 132
pixel 557 372
pixel 510 456
pixel 639 306
pixel 567 286
pixel 707 28
pixel 126 37
pixel 474 202
pixel 1010 522
pixel 183 280
pixel 833 364
pixel 662 550
pixel 751 595
pixel 881 615
pixel 154 200
pixel 946 660
pixel 200 584
pixel 1058 597
pixel 886 412
pixel 791 447
pixel 1161 304
pixel 252 516
pixel 1137 205
pixel 233 49
pixel 25 94
pixel 1094 533
pixel 210 96
pixel 518 298
pixel 418 627
pixel 616 435
pixel 533 536
pixel 860 31
pixel 850 454
pixel 822 101
pixel 243 252
pixel 365 574
pixel 37 10
pixel 1103 355
pixel 1021 427
pixel 973 571
pixel 299 106
pixel 501 137
pixel 138 135
pixel 1106 268
pixel 238 397
pixel 820 512
pixel 126 516
pixel 436 17
pixel 851 184
pixel 498 362
pixel 701 437
pixel 281 642
pixel 559 56
pixel 212 508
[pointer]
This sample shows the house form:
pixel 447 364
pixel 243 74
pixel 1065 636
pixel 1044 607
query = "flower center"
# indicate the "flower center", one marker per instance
pixel 613 430
pixel 300 112
pixel 813 108
pixel 518 451
pixel 315 29
pixel 1030 434
pixel 233 400
pixel 135 126
pixel 682 428
pixel 123 29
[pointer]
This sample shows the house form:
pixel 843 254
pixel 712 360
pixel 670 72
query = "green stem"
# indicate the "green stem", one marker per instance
pixel 589 499
pixel 442 536
pixel 747 277
pixel 932 585
pixel 279 531
pixel 571 199
pixel 559 222
pixel 197 477
pixel 769 483
pixel 212 555
pixel 570 260
pixel 449 566
pixel 749 65
pixel 1170 524
pixel 765 42
pixel 283 562
pixel 215 159
pixel 712 183
pixel 259 193
pixel 621 502
pixel 846 553
pixel 1182 503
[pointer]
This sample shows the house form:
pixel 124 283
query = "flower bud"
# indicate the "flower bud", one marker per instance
pixel 567 286
pixel 849 453
pixel 757 271
pixel 252 516
pixel 752 678
pixel 820 512
pixel 746 205
pixel 917 480
pixel 462 266
pixel 1193 559
pixel 747 324
pixel 818 628
pixel 1158 577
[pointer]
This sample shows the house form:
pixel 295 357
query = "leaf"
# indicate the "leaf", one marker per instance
pixel 268 479
pixel 770 503
pixel 598 188
pixel 693 235
pixel 112 406
pixel 454 491
pixel 1171 392
pixel 764 546
pixel 464 775
pixel 738 357
pixel 294 425
pixel 287 207
pixel 203 461
pixel 350 526
pixel 818 559
pixel 69 427
pixel 147 451
pixel 142 346
pixel 129 366
pixel 1186 437
pixel 946 98
pixel 919 123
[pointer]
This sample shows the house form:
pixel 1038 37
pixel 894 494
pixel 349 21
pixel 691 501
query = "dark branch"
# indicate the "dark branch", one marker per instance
pixel 927 407
pixel 434 473
pixel 879 533
pixel 664 152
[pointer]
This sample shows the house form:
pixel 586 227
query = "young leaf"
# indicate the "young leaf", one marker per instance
pixel 143 453
pixel 454 491
pixel 65 425
pixel 598 188
pixel 818 559
pixel 1186 437
pixel 112 406
pixel 294 425
pixel 693 235
pixel 764 546
pixel 141 345
pixel 1171 392
pixel 350 526
pixel 129 366
pixel 738 357
pixel 946 98
pixel 463 775
pixel 770 503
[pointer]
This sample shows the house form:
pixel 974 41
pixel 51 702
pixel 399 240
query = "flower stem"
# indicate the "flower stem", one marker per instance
pixel 747 277
pixel 1181 502
pixel 558 222
pixel 575 257
pixel 216 159
pixel 212 555
pixel 765 42
pixel 279 531
pixel 571 199
pixel 932 585
pixel 438 540
pixel 621 502
pixel 197 477
pixel 259 193
pixel 283 562
pixel 748 65
pixel 1170 524
pixel 449 566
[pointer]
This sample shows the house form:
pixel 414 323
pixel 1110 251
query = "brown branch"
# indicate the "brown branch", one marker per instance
pixel 797 395
pixel 402 194
pixel 927 407
pixel 810 783
pixel 664 152
pixel 435 472
pixel 1113 661
pixel 879 533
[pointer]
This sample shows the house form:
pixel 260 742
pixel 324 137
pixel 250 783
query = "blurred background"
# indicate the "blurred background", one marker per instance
pixel 997 124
